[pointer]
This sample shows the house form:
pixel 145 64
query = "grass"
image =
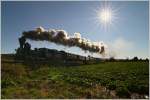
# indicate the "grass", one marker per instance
pixel 103 80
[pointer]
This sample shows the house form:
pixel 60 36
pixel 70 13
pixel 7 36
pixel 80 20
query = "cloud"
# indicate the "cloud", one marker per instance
pixel 122 44
pixel 120 47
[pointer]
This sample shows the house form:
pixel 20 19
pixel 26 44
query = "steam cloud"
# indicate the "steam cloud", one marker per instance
pixel 61 37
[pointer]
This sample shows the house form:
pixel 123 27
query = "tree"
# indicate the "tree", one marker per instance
pixel 135 58
pixel 147 59
pixel 112 59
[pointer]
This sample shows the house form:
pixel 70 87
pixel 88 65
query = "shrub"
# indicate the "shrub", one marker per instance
pixel 123 92
pixel 15 92
pixel 111 85
pixel 142 89
pixel 13 71
pixel 133 87
pixel 103 82
pixel 7 82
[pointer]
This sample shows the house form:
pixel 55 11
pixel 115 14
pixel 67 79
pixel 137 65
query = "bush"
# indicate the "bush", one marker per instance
pixel 133 87
pixel 13 71
pixel 103 82
pixel 7 82
pixel 15 92
pixel 111 85
pixel 143 89
pixel 123 92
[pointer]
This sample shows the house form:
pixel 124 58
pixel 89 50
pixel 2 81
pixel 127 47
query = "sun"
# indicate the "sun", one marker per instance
pixel 105 16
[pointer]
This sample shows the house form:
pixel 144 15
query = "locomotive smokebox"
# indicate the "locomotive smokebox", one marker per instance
pixel 22 41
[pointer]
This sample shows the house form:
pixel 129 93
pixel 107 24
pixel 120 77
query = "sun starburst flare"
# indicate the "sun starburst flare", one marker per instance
pixel 106 16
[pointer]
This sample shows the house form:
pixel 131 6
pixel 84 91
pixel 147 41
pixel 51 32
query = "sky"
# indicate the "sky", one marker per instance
pixel 127 36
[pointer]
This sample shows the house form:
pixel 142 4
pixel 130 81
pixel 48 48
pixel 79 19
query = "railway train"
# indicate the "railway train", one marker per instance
pixel 45 55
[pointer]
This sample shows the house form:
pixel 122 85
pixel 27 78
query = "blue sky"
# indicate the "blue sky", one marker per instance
pixel 128 37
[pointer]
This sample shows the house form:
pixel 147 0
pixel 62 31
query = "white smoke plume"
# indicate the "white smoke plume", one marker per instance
pixel 61 37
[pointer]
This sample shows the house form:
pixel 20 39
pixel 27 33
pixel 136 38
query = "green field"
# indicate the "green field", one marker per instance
pixel 103 80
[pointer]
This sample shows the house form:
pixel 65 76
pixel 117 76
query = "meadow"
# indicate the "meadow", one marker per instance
pixel 103 80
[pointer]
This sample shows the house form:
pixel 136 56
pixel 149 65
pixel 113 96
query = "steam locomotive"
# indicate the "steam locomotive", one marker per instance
pixel 46 55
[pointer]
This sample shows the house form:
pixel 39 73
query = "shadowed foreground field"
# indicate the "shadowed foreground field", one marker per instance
pixel 103 80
